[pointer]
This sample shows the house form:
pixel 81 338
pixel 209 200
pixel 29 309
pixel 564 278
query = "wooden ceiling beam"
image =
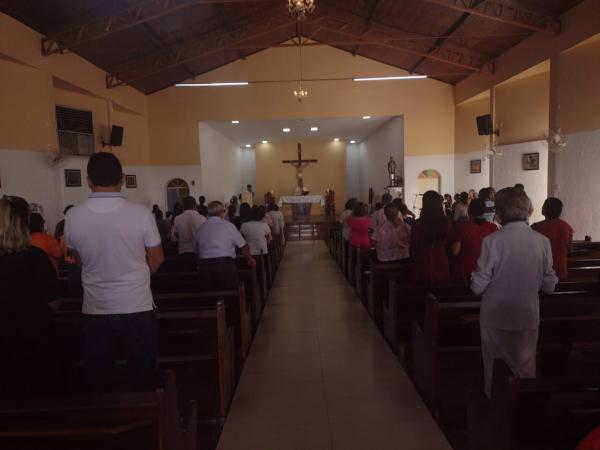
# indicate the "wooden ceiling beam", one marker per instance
pixel 499 12
pixel 121 21
pixel 200 48
pixel 370 16
pixel 392 38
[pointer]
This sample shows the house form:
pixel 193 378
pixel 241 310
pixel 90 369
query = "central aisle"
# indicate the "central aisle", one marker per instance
pixel 319 375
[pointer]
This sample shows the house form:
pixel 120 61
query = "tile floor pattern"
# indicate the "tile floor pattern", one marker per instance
pixel 319 375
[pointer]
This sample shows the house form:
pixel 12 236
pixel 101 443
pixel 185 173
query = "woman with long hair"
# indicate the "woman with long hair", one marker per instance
pixel 28 282
pixel 466 245
pixel 429 241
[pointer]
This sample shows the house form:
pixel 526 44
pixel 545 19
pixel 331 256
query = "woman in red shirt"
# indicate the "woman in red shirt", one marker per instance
pixel 468 239
pixel 559 232
pixel 359 224
pixel 429 240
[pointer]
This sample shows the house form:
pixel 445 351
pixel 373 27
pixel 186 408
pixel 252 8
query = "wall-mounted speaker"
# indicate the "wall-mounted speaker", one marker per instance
pixel 116 136
pixel 484 125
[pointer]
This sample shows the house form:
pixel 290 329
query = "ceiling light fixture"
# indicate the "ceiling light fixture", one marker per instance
pixel 366 117
pixel 300 93
pixel 218 84
pixel 336 140
pixel 265 142
pixel 314 128
pixel 404 77
pixel 235 122
pixel 301 7
pixel 353 142
pixel 248 146
pixel 286 130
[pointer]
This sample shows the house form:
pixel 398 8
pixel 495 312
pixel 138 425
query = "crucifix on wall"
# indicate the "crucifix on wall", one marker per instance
pixel 299 164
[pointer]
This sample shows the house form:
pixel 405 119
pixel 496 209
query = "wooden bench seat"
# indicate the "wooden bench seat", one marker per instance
pixel 148 420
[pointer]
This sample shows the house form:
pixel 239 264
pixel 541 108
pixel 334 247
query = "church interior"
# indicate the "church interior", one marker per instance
pixel 349 131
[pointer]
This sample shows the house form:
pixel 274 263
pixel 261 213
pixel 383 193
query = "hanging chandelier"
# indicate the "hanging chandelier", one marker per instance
pixel 300 93
pixel 301 7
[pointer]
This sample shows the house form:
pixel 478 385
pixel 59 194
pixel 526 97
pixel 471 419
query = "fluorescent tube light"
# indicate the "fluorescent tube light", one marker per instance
pixel 286 130
pixel 314 128
pixel 265 142
pixel 248 146
pixel 405 77
pixel 232 83
pixel 366 117
pixel 336 140
pixel 353 142
pixel 235 121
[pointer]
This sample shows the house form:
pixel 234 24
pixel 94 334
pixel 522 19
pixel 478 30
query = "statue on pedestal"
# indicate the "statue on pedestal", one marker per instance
pixel 392 171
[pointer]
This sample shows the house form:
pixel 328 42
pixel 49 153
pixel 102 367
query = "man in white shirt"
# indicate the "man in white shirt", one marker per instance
pixel 118 245
pixel 217 243
pixel 185 229
pixel 515 264
pixel 248 196
pixel 257 233
pixel 278 220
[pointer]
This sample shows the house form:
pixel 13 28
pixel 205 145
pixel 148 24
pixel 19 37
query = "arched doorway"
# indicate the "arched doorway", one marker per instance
pixel 177 189
pixel 427 180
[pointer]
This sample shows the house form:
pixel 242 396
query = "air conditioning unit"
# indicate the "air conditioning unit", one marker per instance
pixel 75 131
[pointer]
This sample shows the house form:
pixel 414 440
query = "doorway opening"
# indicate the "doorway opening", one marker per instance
pixel 177 190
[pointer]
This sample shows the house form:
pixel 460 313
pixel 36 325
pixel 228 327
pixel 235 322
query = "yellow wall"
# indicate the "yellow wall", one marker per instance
pixel 579 89
pixel 328 172
pixel 427 105
pixel 31 85
pixel 522 109
pixel 466 137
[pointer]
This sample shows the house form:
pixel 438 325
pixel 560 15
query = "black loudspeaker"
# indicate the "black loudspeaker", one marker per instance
pixel 484 125
pixel 116 136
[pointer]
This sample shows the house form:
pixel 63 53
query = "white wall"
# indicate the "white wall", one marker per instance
pixel 374 154
pixel 579 182
pixel 249 166
pixel 414 165
pixel 221 165
pixel 508 170
pixel 353 171
pixel 464 180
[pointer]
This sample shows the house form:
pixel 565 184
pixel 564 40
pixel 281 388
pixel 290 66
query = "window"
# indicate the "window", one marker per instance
pixel 75 131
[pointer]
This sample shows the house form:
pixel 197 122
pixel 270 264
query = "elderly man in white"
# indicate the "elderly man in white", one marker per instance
pixel 515 264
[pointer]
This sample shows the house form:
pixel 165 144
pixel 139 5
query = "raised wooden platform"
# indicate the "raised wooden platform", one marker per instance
pixel 311 228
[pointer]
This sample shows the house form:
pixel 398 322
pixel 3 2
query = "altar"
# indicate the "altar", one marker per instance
pixel 301 204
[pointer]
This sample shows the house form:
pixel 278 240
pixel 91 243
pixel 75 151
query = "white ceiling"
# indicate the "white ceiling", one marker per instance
pixel 345 129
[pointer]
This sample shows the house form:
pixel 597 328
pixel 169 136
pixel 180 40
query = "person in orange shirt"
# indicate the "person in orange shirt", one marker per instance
pixel 43 240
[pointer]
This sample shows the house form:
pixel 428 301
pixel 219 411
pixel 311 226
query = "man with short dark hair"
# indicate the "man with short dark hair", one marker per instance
pixel 118 245
pixel 217 243
pixel 185 229
pixel 515 264
pixel 202 209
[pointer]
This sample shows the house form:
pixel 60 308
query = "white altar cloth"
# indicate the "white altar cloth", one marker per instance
pixel 296 199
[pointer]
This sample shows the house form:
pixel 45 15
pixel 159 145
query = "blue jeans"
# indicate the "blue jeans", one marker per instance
pixel 134 335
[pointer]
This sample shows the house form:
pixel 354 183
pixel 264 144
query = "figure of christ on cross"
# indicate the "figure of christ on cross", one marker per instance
pixel 299 164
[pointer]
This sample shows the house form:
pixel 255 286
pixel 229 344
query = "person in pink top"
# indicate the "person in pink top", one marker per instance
pixel 392 238
pixel 359 224
pixel 466 245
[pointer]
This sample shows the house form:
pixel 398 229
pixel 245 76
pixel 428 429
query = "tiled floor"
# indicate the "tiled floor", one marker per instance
pixel 319 375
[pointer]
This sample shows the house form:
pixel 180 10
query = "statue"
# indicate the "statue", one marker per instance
pixel 392 171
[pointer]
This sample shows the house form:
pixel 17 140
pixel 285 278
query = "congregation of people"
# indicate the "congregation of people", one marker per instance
pixel 109 248
pixel 479 239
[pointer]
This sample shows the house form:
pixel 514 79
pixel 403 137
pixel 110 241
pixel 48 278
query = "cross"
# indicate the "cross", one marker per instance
pixel 299 164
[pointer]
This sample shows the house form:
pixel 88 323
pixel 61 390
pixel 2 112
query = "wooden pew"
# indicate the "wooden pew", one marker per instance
pixel 378 281
pixel 361 272
pixel 447 345
pixel 149 420
pixel 249 277
pixel 195 342
pixel 532 414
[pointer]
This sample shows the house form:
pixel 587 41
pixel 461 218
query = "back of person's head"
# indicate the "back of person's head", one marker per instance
pixel 386 198
pixel 484 194
pixel 245 212
pixel 520 186
pixel 552 208
pixel 350 204
pixel 403 208
pixel 464 197
pixel 177 209
pixel 476 210
pixel 378 206
pixel 447 197
pixel 258 213
pixel 231 211
pixel 391 212
pixel 14 225
pixel 215 208
pixel 202 200
pixel 169 214
pixel 397 202
pixel 273 207
pixel 359 210
pixel 456 197
pixel 155 207
pixel 104 169
pixel 249 187
pixel 158 215
pixel 433 221
pixel 189 202
pixel 36 223
pixel 512 205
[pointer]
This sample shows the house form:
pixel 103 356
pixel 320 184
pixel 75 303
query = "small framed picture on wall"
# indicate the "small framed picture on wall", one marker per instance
pixel 130 181
pixel 475 166
pixel 72 178
pixel 531 161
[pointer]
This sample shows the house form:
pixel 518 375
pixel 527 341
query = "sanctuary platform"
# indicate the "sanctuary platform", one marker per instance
pixel 307 228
